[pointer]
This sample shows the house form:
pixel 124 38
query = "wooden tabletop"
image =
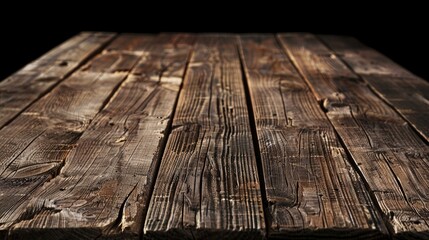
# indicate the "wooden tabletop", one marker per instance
pixel 215 136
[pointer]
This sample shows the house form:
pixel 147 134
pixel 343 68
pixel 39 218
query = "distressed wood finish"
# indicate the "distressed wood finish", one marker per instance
pixel 407 93
pixel 388 153
pixel 294 136
pixel 36 79
pixel 35 144
pixel 207 185
pixel 102 189
pixel 312 189
pixel 39 140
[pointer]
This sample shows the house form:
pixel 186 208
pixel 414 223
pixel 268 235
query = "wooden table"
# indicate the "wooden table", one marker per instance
pixel 180 136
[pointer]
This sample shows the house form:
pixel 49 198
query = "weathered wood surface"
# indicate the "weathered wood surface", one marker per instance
pixel 388 153
pixel 34 145
pixel 311 187
pixel 407 93
pixel 102 187
pixel 30 83
pixel 207 185
pixel 294 136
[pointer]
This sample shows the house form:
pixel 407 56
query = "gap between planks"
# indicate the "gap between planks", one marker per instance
pixel 255 138
pixel 164 143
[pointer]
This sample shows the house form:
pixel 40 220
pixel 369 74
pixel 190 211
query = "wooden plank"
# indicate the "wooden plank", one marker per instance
pixel 37 78
pixel 387 152
pixel 311 187
pixel 35 145
pixel 131 42
pixel 207 186
pixel 363 60
pixel 123 53
pixel 407 93
pixel 104 187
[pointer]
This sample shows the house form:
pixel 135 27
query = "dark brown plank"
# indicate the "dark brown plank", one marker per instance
pixel 407 93
pixel 388 153
pixel 311 187
pixel 103 188
pixel 131 42
pixel 207 186
pixel 33 81
pixel 36 143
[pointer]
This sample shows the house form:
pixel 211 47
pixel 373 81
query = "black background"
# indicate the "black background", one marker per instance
pixel 398 31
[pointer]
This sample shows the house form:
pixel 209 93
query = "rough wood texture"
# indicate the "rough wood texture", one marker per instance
pixel 100 139
pixel 33 81
pixel 207 185
pixel 407 93
pixel 388 153
pixel 102 188
pixel 35 143
pixel 312 189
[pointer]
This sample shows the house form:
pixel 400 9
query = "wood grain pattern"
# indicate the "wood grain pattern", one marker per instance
pixel 30 83
pixel 388 153
pixel 35 144
pixel 207 186
pixel 99 139
pixel 104 185
pixel 407 93
pixel 311 187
